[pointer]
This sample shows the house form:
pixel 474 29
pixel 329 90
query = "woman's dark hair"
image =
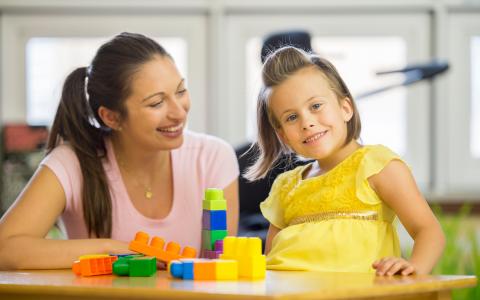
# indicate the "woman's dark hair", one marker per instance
pixel 106 82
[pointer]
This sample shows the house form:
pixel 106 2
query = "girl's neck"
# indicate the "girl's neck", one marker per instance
pixel 333 160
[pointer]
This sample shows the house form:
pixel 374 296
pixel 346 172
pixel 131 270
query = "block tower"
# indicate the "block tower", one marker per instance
pixel 214 222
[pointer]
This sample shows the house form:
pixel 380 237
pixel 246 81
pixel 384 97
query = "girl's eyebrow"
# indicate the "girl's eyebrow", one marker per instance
pixel 162 93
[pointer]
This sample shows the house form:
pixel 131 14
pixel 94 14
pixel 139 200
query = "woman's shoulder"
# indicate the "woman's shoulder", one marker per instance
pixel 63 152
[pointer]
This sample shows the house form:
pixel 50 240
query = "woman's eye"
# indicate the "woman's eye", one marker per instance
pixel 156 104
pixel 182 92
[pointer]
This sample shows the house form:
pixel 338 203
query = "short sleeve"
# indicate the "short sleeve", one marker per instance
pixel 373 162
pixel 272 208
pixel 63 162
pixel 222 163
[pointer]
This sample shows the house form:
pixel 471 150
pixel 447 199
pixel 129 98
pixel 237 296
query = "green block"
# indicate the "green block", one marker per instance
pixel 136 265
pixel 142 266
pixel 209 237
pixel 214 204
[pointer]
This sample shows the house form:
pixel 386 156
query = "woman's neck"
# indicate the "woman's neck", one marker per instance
pixel 138 161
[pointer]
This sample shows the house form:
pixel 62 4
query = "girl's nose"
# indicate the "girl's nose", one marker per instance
pixel 308 126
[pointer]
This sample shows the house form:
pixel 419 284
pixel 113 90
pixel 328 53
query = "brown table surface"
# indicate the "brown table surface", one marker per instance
pixel 63 284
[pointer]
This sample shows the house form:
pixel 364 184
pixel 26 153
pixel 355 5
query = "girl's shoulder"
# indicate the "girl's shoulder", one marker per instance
pixel 378 156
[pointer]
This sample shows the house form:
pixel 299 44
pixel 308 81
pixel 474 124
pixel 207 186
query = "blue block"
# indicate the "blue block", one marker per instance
pixel 214 220
pixel 176 269
pixel 187 270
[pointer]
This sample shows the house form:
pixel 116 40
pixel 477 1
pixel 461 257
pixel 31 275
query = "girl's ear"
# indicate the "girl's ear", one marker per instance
pixel 347 109
pixel 109 117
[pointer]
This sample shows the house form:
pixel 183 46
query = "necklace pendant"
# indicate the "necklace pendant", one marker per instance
pixel 148 194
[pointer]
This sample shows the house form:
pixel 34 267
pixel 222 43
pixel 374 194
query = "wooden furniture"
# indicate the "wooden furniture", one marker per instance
pixel 63 284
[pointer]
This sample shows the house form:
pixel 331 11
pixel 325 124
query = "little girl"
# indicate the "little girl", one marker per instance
pixel 337 213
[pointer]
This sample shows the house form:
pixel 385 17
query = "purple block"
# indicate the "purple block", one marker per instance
pixel 219 245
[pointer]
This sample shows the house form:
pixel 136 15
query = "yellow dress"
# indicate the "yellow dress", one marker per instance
pixel 334 222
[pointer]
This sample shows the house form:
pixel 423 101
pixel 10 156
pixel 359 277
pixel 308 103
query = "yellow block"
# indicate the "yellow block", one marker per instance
pixel 226 269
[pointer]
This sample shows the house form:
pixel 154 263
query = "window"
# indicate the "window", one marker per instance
pixel 50 60
pixel 38 51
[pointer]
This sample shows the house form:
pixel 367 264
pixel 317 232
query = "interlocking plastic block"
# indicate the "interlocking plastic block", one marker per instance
pixel 214 220
pixel 155 248
pixel 214 200
pixel 209 237
pixel 135 266
pixel 248 253
pixel 203 269
pixel 91 265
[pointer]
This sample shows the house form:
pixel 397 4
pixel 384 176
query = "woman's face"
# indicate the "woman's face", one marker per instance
pixel 157 106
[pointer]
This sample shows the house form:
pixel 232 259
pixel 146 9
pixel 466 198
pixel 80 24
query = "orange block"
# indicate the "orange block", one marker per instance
pixel 204 270
pixel 94 265
pixel 155 248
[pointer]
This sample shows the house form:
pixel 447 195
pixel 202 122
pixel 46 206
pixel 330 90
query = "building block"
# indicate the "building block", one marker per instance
pixel 91 265
pixel 214 220
pixel 209 237
pixel 155 248
pixel 248 253
pixel 203 269
pixel 135 266
pixel 214 200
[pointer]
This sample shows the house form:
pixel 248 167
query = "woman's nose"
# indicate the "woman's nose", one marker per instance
pixel 176 110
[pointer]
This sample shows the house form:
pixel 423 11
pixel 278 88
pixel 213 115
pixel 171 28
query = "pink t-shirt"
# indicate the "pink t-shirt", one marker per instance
pixel 202 161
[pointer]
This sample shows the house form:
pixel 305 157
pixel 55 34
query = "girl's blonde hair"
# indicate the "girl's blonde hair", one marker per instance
pixel 279 66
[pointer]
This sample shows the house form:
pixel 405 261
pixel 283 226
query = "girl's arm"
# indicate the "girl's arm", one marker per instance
pixel 272 232
pixel 231 195
pixel 24 227
pixel 395 185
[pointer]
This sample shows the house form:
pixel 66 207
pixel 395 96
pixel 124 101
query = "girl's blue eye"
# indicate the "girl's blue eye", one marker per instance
pixel 316 106
pixel 291 118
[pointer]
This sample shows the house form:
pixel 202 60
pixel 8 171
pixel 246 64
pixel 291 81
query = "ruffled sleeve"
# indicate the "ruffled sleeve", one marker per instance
pixel 374 160
pixel 272 208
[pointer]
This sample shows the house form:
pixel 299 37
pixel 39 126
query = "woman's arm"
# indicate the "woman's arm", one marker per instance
pixel 272 232
pixel 231 195
pixel 24 227
pixel 396 186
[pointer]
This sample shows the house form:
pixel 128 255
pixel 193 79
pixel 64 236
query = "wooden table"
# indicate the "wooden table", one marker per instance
pixel 63 284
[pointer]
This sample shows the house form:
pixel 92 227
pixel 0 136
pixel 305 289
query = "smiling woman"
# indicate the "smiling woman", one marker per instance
pixel 119 161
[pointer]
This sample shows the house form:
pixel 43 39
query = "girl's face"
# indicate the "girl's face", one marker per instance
pixel 157 106
pixel 313 122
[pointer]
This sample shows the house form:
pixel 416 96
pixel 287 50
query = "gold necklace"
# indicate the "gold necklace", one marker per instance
pixel 147 189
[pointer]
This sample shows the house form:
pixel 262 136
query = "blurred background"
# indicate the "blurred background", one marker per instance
pixel 433 124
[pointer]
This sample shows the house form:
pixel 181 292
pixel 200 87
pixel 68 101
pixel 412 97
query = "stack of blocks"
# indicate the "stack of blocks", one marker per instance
pixel 214 222
pixel 247 251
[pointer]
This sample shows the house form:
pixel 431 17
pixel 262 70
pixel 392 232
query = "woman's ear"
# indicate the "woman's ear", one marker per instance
pixel 110 118
pixel 347 109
